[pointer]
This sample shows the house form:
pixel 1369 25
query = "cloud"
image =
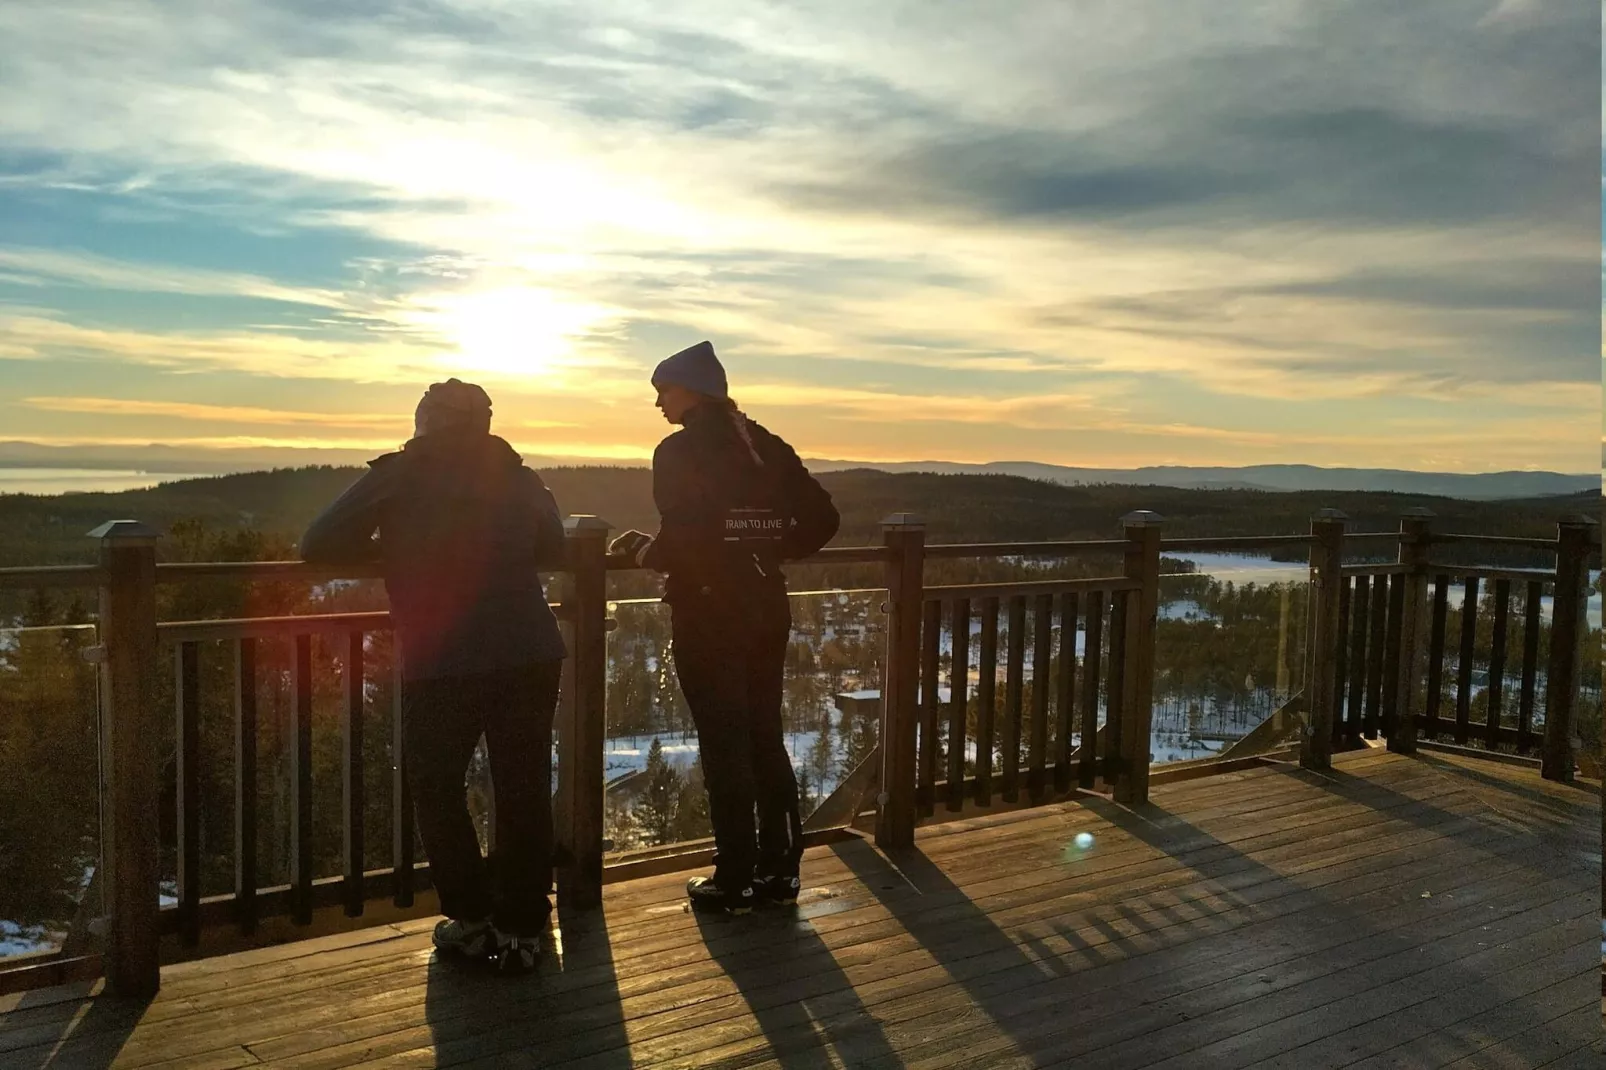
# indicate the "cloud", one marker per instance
pixel 915 200
pixel 37 265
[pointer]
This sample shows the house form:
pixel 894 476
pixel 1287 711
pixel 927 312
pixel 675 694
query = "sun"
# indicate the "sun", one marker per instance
pixel 515 331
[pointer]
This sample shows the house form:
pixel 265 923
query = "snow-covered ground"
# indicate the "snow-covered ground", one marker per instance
pixel 17 940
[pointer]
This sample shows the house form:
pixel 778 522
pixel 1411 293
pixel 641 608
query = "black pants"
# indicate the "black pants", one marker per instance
pixel 730 653
pixel 442 721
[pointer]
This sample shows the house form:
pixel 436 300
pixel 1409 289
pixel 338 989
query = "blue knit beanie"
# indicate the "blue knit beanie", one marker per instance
pixel 695 368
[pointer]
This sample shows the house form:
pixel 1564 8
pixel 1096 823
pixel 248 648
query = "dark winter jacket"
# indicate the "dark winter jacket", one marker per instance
pixel 727 523
pixel 463 528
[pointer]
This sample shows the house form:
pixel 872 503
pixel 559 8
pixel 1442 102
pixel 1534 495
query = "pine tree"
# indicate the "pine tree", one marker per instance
pixel 660 799
pixel 691 817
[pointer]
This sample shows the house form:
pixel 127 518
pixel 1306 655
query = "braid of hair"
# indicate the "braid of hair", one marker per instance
pixel 739 424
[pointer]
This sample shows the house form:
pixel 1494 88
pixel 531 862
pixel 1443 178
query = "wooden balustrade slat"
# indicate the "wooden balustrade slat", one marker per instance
pixel 1436 637
pixel 1014 687
pixel 1092 658
pixel 930 656
pixel 245 784
pixel 1346 598
pixel 1393 644
pixel 1115 689
pixel 1042 652
pixel 187 701
pixel 1360 617
pixel 353 796
pixel 401 793
pixel 1497 660
pixel 986 700
pixel 1065 693
pixel 958 703
pixel 1530 667
pixel 301 782
pixel 1374 655
pixel 1469 635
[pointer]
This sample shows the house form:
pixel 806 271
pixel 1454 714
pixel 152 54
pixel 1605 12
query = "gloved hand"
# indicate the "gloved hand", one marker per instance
pixel 631 546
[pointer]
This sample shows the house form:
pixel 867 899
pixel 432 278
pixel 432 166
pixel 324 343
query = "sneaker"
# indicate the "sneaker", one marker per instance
pixel 515 954
pixel 470 939
pixel 782 891
pixel 708 896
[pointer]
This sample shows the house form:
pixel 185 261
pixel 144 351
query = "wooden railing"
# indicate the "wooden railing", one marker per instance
pixel 1375 662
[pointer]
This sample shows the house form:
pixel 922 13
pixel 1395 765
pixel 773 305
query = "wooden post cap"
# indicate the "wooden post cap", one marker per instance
pixel 1418 512
pixel 127 532
pixel 903 520
pixel 586 524
pixel 1578 520
pixel 1330 515
pixel 1142 518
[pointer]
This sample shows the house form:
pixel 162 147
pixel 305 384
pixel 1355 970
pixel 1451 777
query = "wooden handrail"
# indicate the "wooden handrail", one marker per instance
pixel 1495 540
pixel 1233 542
pixel 973 591
pixel 1374 649
pixel 1024 549
pixel 1516 575
pixel 192 631
pixel 1393 569
pixel 51 576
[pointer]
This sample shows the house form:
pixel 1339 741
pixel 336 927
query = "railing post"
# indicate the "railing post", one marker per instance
pixel 1137 710
pixel 904 536
pixel 1326 581
pixel 130 780
pixel 1575 537
pixel 1416 535
pixel 581 721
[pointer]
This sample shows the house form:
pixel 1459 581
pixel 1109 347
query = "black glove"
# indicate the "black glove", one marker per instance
pixel 631 545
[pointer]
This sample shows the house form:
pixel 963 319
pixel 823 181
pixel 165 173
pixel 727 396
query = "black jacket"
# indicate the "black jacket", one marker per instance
pixel 703 472
pixel 463 528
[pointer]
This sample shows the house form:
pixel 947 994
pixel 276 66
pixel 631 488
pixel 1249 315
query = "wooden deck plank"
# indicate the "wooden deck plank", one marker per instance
pixel 1464 1037
pixel 1270 917
pixel 1196 970
pixel 657 982
pixel 822 861
pixel 935 1024
pixel 1555 1042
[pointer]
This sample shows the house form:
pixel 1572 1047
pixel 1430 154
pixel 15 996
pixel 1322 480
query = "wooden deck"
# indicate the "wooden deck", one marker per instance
pixel 1436 911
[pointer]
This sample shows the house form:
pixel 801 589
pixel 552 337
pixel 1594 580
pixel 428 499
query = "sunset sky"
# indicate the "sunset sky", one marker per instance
pixel 1089 232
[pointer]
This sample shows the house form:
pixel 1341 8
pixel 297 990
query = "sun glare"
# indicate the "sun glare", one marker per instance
pixel 515 332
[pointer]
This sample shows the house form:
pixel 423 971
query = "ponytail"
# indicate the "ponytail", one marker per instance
pixel 738 421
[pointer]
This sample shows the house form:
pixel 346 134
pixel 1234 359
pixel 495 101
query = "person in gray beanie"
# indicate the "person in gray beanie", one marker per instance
pixel 462 528
pixel 734 503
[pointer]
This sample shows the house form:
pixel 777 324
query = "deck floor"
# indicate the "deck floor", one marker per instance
pixel 1426 912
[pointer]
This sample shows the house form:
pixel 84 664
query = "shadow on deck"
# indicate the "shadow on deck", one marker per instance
pixel 1436 911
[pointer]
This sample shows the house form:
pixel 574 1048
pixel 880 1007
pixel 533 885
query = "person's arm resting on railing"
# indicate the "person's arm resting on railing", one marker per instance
pixel 672 483
pixel 343 534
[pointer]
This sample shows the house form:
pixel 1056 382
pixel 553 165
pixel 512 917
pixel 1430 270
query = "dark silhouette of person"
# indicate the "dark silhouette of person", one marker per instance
pixel 734 502
pixel 461 526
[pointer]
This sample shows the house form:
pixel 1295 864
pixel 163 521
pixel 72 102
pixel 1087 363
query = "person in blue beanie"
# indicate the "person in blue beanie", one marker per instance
pixel 462 528
pixel 734 502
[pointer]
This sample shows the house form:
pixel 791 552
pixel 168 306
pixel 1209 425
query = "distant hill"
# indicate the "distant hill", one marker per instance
pixel 1489 486
pixel 958 508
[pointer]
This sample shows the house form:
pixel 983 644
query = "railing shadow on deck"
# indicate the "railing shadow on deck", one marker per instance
pixel 81 1031
pixel 1544 823
pixel 1454 956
